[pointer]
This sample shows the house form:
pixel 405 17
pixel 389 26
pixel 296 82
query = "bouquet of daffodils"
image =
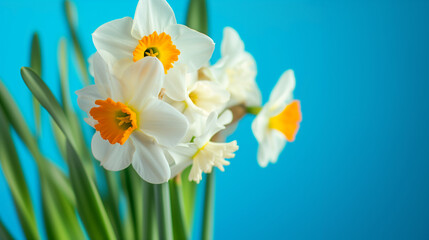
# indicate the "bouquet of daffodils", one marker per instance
pixel 160 115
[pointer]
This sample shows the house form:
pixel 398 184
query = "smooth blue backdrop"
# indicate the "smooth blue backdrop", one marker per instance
pixel 359 166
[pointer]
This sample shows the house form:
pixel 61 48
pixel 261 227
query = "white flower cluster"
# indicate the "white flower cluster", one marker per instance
pixel 157 104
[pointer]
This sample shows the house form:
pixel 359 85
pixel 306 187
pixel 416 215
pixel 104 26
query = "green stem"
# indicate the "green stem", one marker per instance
pixel 134 192
pixel 163 211
pixel 177 212
pixel 197 16
pixel 254 110
pixel 112 202
pixel 4 233
pixel 208 217
pixel 189 189
pixel 148 203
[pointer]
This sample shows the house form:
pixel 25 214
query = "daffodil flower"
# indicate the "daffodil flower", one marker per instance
pixel 278 121
pixel 202 153
pixel 236 70
pixel 153 32
pixel 132 125
pixel 197 98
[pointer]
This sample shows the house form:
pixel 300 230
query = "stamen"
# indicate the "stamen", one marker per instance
pixel 159 46
pixel 116 121
pixel 161 94
pixel 150 53
pixel 123 120
pixel 194 97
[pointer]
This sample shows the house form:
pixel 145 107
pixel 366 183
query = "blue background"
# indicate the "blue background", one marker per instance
pixel 359 168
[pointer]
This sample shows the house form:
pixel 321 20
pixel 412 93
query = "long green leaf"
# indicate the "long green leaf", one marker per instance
pixel 69 112
pixel 189 189
pixel 15 178
pixel 60 139
pixel 133 190
pixel 50 103
pixel 17 120
pixel 57 196
pixel 148 213
pixel 208 213
pixel 88 200
pixel 70 12
pixel 89 204
pixel 61 220
pixel 36 55
pixel 197 16
pixel 178 218
pixel 4 233
pixel 163 211
pixel 64 72
pixel 111 201
pixel 36 65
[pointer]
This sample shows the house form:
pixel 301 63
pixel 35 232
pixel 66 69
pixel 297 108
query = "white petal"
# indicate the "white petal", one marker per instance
pixel 228 131
pixel 195 48
pixel 106 83
pixel 182 157
pixel 176 169
pixel 160 120
pixel 282 92
pixel 142 81
pixel 225 118
pixel 231 42
pixel 87 96
pixel 113 157
pixel 260 125
pixel 212 126
pixel 114 41
pixel 277 141
pixel 150 16
pixel 210 96
pixel 263 154
pixel 90 121
pixel 218 70
pixel 149 160
pixel 175 82
pixel 254 96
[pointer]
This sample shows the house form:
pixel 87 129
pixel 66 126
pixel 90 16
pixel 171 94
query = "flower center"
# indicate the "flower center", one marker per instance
pixel 194 97
pixel 159 46
pixel 287 122
pixel 116 121
pixel 199 150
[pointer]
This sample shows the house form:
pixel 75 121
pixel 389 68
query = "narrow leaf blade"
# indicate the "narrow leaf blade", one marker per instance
pixel 70 12
pixel 177 213
pixel 61 220
pixel 197 16
pixel 88 200
pixel 189 189
pixel 133 189
pixel 36 65
pixel 14 175
pixel 89 204
pixel 4 233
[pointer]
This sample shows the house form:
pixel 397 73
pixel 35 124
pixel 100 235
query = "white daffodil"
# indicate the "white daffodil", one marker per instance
pixel 132 125
pixel 202 153
pixel 153 32
pixel 197 97
pixel 278 121
pixel 236 71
